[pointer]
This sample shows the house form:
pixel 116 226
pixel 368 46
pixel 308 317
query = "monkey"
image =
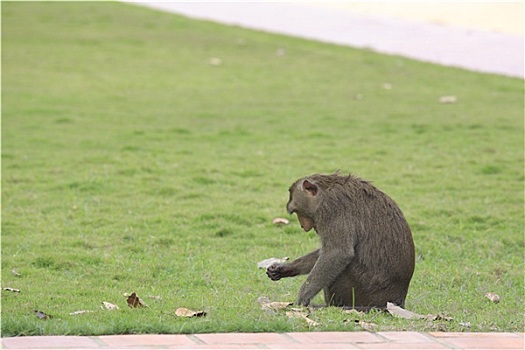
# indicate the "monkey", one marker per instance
pixel 366 256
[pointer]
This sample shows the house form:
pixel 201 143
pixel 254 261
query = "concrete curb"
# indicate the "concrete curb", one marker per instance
pixel 311 340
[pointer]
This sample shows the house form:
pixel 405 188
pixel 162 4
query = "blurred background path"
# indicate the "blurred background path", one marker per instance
pixel 481 36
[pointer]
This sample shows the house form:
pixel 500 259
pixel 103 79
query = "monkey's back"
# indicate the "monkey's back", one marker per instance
pixel 384 256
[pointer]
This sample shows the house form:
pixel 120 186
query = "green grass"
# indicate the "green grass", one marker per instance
pixel 132 164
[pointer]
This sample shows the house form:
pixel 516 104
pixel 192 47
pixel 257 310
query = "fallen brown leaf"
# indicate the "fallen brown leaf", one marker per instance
pixel 110 306
pixel 80 312
pixel 13 271
pixel 367 326
pixel 438 317
pixel 354 312
pixel 134 301
pixel 303 316
pixel 301 309
pixel 395 310
pixel 41 315
pixel 183 312
pixel 492 297
pixel 272 306
pixel 12 290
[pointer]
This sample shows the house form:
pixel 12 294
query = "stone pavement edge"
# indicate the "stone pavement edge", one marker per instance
pixel 309 340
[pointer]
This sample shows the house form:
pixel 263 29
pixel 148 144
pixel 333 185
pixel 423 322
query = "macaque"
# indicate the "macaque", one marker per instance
pixel 366 258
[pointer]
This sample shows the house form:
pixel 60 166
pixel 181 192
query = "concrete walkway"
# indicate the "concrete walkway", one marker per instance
pixel 481 37
pixel 313 340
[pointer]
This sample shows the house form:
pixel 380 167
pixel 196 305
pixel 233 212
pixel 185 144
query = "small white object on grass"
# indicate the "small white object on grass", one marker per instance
pixel 264 264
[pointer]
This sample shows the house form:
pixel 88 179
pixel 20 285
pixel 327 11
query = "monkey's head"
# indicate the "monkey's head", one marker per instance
pixel 304 202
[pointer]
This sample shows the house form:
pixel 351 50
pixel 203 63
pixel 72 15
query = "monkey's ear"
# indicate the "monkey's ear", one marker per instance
pixel 310 187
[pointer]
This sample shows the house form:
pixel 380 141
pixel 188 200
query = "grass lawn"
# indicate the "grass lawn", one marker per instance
pixel 145 152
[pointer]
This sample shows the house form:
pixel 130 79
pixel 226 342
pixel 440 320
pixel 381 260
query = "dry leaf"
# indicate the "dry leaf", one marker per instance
pixel 367 326
pixel 354 312
pixel 303 316
pixel 215 61
pixel 155 297
pixel 387 86
pixel 395 310
pixel 134 301
pixel 280 221
pixel 263 300
pixel 110 306
pixel 274 306
pixel 465 324
pixel 277 305
pixel 41 315
pixel 492 297
pixel 13 271
pixel 183 312
pixel 80 312
pixel 448 99
pixel 438 317
pixel 12 290
pixel 300 309
pixel 264 264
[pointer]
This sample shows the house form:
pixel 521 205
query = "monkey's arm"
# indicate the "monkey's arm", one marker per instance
pixel 300 266
pixel 329 266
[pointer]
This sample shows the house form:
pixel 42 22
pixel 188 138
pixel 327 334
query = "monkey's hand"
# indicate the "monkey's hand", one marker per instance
pixel 302 301
pixel 276 271
pixel 306 293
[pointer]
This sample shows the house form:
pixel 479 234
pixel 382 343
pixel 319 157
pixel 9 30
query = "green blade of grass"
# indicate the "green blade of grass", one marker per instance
pixel 135 161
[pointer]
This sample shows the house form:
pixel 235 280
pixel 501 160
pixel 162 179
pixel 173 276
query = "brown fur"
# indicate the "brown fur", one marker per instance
pixel 366 258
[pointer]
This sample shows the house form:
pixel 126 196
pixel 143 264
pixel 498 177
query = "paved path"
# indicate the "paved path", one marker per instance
pixel 313 340
pixel 443 43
